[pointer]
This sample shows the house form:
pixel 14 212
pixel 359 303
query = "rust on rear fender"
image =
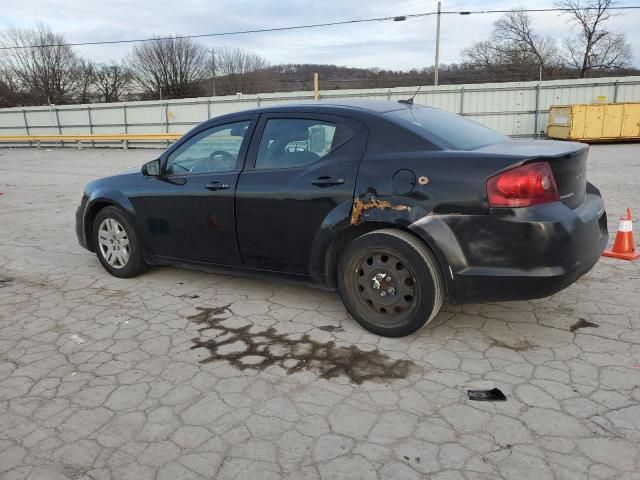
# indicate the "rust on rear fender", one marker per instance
pixel 359 207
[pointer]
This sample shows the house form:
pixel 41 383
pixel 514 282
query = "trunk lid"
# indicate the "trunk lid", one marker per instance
pixel 568 161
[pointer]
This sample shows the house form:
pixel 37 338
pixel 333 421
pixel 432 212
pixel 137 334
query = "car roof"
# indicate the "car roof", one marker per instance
pixel 371 106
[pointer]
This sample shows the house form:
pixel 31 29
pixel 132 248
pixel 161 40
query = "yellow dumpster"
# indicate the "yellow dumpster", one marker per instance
pixel 595 122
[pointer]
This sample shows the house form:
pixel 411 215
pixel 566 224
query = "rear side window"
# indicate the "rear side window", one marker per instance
pixel 457 132
pixel 291 142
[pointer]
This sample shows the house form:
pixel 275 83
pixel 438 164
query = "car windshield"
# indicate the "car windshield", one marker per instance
pixel 457 132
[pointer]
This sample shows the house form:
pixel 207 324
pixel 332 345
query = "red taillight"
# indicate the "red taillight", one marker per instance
pixel 530 184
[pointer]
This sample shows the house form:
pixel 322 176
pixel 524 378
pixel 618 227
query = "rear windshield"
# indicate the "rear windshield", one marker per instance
pixel 455 131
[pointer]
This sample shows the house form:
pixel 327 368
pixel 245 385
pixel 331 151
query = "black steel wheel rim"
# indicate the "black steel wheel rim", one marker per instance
pixel 385 286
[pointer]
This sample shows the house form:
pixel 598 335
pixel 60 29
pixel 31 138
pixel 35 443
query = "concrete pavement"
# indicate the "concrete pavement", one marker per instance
pixel 186 375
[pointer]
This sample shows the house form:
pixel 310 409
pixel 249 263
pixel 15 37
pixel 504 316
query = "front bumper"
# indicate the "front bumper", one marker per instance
pixel 80 223
pixel 517 253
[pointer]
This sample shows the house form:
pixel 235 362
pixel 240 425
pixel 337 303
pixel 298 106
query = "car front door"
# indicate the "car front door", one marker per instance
pixel 187 213
pixel 300 168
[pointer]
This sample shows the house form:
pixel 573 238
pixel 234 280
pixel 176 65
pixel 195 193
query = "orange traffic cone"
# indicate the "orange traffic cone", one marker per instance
pixel 623 247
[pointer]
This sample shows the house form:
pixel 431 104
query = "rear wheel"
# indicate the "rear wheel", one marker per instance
pixel 390 282
pixel 116 243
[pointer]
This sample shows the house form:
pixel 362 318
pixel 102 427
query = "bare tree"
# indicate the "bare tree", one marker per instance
pixel 169 67
pixel 9 95
pixel 85 78
pixel 514 45
pixel 595 47
pixel 515 32
pixel 239 71
pixel 481 54
pixel 111 81
pixel 43 68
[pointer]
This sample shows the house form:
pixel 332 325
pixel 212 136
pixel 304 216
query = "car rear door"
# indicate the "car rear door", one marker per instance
pixel 300 177
pixel 187 213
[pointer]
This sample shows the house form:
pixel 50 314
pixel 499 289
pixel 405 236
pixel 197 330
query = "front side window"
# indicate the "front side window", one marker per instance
pixel 214 150
pixel 288 142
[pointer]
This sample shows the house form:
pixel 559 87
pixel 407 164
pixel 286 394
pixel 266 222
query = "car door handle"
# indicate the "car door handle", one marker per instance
pixel 327 181
pixel 217 186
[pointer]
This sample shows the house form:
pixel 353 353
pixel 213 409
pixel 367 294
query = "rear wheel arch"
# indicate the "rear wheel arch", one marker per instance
pixel 349 234
pixel 390 282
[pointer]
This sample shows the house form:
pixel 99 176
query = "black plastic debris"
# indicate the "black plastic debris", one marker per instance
pixel 582 323
pixel 331 328
pixel 493 395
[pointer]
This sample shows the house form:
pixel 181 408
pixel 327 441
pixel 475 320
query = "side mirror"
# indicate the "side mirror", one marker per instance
pixel 152 168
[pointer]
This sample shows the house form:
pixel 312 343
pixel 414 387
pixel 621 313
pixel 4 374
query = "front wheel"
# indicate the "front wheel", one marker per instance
pixel 390 282
pixel 116 243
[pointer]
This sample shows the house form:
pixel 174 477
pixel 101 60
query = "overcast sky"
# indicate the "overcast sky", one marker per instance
pixel 396 45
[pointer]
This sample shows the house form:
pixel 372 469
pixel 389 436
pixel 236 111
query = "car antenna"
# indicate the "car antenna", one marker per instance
pixel 409 101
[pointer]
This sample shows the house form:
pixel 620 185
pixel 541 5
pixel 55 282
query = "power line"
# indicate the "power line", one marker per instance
pixel 237 32
pixel 534 10
pixel 396 18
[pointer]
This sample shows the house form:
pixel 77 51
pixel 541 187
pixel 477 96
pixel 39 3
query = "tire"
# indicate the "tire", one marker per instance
pixel 122 243
pixel 390 282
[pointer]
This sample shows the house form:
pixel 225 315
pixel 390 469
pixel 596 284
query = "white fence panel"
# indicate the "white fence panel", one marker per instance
pixel 628 92
pixel 145 114
pixel 73 121
pixel 514 108
pixel 12 122
pixel 43 121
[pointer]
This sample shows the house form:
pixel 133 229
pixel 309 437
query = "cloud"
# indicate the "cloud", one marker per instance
pixel 396 45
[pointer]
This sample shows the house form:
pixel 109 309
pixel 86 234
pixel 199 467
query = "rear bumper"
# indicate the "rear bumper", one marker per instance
pixel 518 253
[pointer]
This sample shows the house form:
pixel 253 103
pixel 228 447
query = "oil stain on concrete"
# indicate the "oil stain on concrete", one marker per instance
pixel 245 347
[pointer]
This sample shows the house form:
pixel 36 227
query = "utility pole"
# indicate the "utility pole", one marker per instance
pixel 213 72
pixel 437 64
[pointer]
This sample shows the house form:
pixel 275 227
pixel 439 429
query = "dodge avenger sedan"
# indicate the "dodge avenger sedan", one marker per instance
pixel 397 206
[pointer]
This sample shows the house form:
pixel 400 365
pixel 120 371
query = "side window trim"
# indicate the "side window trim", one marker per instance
pixel 252 151
pixel 242 153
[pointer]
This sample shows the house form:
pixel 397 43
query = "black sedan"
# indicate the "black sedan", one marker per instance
pixel 398 206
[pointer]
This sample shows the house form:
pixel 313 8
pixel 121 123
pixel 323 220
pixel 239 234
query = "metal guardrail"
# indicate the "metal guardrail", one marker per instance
pixel 125 138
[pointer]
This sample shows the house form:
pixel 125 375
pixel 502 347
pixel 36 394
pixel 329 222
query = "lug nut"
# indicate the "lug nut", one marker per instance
pixel 383 293
pixel 391 291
